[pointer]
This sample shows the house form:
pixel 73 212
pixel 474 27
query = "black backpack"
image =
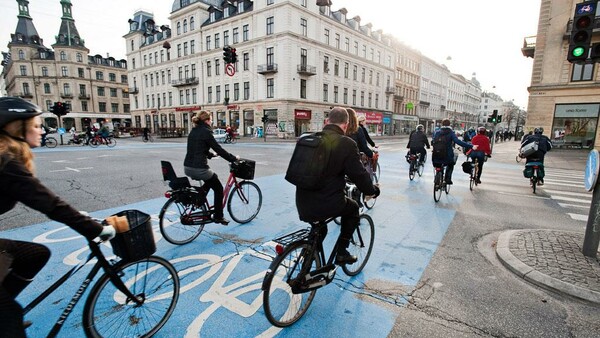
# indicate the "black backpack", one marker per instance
pixel 308 165
pixel 440 147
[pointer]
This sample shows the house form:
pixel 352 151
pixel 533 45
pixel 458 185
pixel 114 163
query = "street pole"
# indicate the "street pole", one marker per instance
pixel 591 240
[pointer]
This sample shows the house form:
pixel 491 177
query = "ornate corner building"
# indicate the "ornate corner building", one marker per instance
pixel 95 86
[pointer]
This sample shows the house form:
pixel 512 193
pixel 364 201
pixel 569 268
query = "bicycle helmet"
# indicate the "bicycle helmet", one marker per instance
pixel 420 127
pixel 15 108
pixel 538 130
pixel 481 130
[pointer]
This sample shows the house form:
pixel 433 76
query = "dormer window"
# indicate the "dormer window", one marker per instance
pixel 20 37
pixel 240 6
pixel 212 17
pixel 226 12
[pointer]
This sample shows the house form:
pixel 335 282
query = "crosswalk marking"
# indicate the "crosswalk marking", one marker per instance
pixel 578 217
pixel 569 193
pixel 567 205
pixel 568 199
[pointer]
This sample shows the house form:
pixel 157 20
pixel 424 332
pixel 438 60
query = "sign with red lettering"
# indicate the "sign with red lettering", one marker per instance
pixel 187 108
pixel 302 114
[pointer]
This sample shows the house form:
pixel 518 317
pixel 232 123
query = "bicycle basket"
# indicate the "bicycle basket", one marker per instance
pixel 243 169
pixel 138 242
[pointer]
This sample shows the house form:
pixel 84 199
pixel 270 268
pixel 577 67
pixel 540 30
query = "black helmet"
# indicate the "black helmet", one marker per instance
pixel 538 130
pixel 420 127
pixel 15 108
pixel 481 130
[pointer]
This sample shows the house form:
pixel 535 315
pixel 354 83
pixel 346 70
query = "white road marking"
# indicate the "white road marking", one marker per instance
pixel 569 199
pixel 567 205
pixel 521 195
pixel 578 217
pixel 72 169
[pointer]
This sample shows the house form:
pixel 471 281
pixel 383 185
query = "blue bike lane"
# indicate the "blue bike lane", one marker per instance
pixel 222 270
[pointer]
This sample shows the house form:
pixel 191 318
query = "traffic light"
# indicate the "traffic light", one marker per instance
pixel 581 32
pixel 595 52
pixel 227 54
pixel 499 119
pixel 233 55
pixel 60 108
pixel 265 118
pixel 493 118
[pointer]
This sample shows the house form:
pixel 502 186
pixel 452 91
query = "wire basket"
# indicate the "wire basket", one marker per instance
pixel 243 169
pixel 137 243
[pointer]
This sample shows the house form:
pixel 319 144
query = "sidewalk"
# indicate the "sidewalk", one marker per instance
pixel 552 259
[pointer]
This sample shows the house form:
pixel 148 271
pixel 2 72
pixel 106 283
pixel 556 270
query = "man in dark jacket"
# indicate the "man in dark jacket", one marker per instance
pixel 330 200
pixel 417 142
pixel 544 145
pixel 448 134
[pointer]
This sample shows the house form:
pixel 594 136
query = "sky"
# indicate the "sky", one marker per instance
pixel 484 37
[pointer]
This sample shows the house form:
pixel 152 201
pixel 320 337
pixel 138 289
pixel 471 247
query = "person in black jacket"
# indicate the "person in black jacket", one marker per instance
pixel 361 125
pixel 417 141
pixel 200 142
pixel 544 145
pixel 20 130
pixel 330 200
pixel 357 134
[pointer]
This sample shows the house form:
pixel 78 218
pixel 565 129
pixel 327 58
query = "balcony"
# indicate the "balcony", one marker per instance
pixel 66 95
pixel 83 96
pixel 307 70
pixel 267 69
pixel 185 82
pixel 133 90
pixel 528 49
pixel 25 95
pixel 398 98
pixel 390 90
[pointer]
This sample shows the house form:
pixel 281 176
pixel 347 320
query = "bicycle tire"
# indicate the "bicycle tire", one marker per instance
pixel 107 313
pixel 51 142
pixel 411 170
pixel 282 307
pixel 145 139
pixel 111 142
pixel 244 202
pixel 437 186
pixel 472 180
pixel 369 204
pixel 534 180
pixel 378 171
pixel 171 227
pixel 94 143
pixel 233 140
pixel 447 188
pixel 361 245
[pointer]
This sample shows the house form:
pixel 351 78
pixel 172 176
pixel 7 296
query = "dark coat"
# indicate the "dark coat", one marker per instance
pixel 366 133
pixel 17 184
pixel 330 200
pixel 200 141
pixel 361 142
pixel 448 132
pixel 417 139
pixel 544 145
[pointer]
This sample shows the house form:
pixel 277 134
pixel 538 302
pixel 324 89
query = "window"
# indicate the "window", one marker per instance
pixel 582 72
pixel 226 92
pixel 226 38
pixel 114 107
pixel 217 67
pixel 150 59
pixel 362 98
pixel 209 95
pixel 246 90
pixel 185 26
pixel 326 64
pixel 245 33
pixel 181 98
pixel 346 66
pixel 240 6
pixel 335 94
pixel 326 36
pixel 270 88
pixel 354 97
pixel 376 100
pixel 162 55
pixel 303 3
pixel 185 49
pixel 364 51
pixel 345 95
pixel 236 35
pixel 208 42
pixel 303 58
pixel 100 91
pixel 194 96
pixel 112 77
pixel 192 24
pixel 23 70
pixel 46 88
pixel 21 54
pixel 302 88
pixel 337 40
pixel 362 75
pixel 45 71
pixel 79 57
pixel 304 26
pixel 187 96
pixel 126 108
pixel 178 28
pixel 26 90
pixel 246 61
pixel 356 47
pixel 63 56
pixel 270 2
pixel 102 107
pixel 370 95
pixel 347 45
pixel 193 70
pixel 178 50
pixel 113 92
pixel 270 56
pixel 371 77
pixel 270 23
pixel 99 75
pixel 218 94
pixel 217 41
pixel 336 67
pixel 355 73
pixel 236 91
pixel 64 71
pixel 192 46
pixel 325 92
pixel 123 78
pixel 67 89
pixel 84 106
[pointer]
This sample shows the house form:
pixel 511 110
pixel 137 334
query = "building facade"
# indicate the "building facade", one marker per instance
pixel 295 61
pixel 564 98
pixel 94 86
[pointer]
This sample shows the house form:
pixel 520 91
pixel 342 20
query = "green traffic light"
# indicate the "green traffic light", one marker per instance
pixel 578 51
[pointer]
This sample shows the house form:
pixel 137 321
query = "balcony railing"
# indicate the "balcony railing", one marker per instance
pixel 133 90
pixel 266 69
pixel 26 95
pixel 528 49
pixel 307 70
pixel 185 82
pixel 399 98
pixel 83 96
pixel 66 95
pixel 390 90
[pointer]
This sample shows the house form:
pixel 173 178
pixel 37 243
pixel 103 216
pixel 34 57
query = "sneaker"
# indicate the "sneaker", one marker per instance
pixel 478 181
pixel 344 257
pixel 449 182
pixel 27 323
pixel 221 220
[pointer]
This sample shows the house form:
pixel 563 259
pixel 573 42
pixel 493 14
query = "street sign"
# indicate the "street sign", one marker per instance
pixel 591 170
pixel 230 69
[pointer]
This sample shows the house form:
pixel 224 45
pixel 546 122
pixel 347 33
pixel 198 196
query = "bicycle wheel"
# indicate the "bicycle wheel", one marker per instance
pixel 171 226
pixel 361 245
pixel 472 181
pixel 411 170
pixel 244 202
pixel 94 142
pixel 378 171
pixel 518 158
pixel 145 139
pixel 283 307
pixel 437 186
pixel 233 140
pixel 51 142
pixel 534 180
pixel 420 169
pixel 108 313
pixel 447 188
pixel 476 172
pixel 111 142
pixel 370 203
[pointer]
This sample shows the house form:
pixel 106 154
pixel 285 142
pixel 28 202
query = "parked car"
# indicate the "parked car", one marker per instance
pixel 219 134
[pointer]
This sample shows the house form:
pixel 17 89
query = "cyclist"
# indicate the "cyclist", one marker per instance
pixel 330 200
pixel 199 143
pixel 230 133
pixel 357 134
pixel 361 121
pixel 417 141
pixel 481 149
pixel 469 134
pixel 544 145
pixel 20 130
pixel 449 138
pixel 146 132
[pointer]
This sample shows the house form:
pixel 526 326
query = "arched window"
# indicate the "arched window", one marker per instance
pixel 178 28
pixel 79 57
pixel 185 25
pixel 192 24
pixel 21 54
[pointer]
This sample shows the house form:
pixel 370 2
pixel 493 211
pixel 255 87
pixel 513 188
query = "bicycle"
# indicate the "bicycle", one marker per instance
pixel 147 138
pixel 373 163
pixel 230 139
pixel 534 179
pixel 50 142
pixel 187 210
pixel 300 268
pixel 134 297
pixel 98 139
pixel 416 166
pixel 439 182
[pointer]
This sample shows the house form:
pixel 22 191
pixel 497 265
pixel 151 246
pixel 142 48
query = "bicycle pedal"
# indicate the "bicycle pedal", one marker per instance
pixel 327 272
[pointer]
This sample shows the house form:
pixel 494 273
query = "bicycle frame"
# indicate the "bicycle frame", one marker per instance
pixel 101 263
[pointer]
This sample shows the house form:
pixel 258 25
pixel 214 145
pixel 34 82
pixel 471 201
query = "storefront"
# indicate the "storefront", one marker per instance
pixel 373 122
pixel 249 122
pixel 404 124
pixel 301 121
pixel 574 125
pixel 234 116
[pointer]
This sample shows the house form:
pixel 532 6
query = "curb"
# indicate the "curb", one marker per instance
pixel 535 277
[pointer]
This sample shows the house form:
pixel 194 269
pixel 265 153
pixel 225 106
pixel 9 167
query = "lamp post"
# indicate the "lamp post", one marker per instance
pixel 517 138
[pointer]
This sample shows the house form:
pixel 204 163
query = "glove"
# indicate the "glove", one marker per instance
pixel 377 191
pixel 237 157
pixel 108 233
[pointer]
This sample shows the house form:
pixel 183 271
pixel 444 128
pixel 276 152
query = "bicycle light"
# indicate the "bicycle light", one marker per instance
pixel 279 249
pixel 168 194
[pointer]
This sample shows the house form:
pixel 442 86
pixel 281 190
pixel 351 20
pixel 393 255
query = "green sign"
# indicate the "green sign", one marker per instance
pixel 410 106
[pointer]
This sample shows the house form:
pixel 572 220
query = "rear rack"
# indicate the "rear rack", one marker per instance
pixel 292 237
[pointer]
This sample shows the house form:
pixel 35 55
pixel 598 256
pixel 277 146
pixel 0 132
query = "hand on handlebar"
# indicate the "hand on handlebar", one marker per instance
pixel 108 233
